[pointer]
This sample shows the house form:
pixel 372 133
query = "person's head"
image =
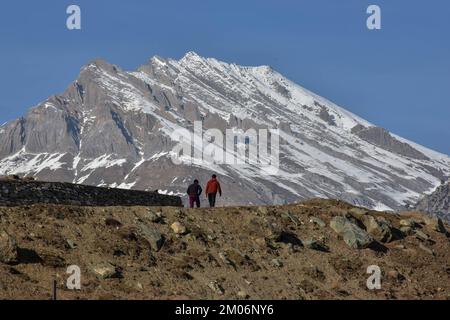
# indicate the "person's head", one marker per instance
pixel 214 176
pixel 195 181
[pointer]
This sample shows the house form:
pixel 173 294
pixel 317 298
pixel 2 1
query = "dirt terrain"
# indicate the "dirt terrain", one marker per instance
pixel 318 249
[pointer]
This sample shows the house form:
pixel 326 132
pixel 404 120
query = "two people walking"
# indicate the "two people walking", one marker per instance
pixel 212 189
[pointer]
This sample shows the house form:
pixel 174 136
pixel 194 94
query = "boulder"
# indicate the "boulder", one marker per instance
pixel 317 221
pixel 421 235
pixel 104 270
pixel 155 217
pixel 8 248
pixel 286 238
pixel 153 237
pixel 410 222
pixel 379 228
pixel 358 211
pixel 315 245
pixel 435 223
pixel 178 228
pixel 353 236
pixel 339 224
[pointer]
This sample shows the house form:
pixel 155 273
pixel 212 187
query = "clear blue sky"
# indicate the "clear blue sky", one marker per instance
pixel 398 78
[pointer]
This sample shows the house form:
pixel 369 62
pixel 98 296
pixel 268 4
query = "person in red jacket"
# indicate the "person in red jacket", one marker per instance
pixel 212 188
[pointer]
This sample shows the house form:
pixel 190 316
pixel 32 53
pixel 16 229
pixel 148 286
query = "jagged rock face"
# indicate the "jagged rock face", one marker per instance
pixel 113 128
pixel 437 203
pixel 382 138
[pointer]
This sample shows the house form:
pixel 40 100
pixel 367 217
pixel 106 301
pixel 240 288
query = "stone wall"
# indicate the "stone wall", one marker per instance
pixel 19 192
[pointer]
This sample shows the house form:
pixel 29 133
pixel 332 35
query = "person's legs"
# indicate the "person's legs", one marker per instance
pixel 191 202
pixel 212 200
pixel 197 202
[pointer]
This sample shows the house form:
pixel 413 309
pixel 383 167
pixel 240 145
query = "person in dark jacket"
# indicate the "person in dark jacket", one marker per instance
pixel 212 188
pixel 194 191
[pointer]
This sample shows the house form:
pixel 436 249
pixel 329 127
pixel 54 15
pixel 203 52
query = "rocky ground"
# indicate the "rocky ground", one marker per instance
pixel 318 249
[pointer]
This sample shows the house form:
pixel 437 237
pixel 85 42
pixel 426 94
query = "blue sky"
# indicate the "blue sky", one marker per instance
pixel 398 77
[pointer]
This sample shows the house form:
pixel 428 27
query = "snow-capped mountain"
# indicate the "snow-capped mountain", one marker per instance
pixel 113 128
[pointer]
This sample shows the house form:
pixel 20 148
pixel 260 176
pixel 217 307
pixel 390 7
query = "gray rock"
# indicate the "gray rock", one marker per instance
pixel 326 116
pixel 154 217
pixel 71 244
pixel 353 236
pixel 380 229
pixel 359 212
pixel 357 239
pixel 410 222
pixel 289 216
pixel 315 245
pixel 8 248
pixel 153 237
pixel 317 221
pixel 384 139
pixel 339 224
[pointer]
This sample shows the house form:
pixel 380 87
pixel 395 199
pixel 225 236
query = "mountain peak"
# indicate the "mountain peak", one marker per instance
pixel 264 69
pixel 157 60
pixel 101 64
pixel 191 56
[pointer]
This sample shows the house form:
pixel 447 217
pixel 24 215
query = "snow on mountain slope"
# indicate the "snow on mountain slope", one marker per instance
pixel 113 128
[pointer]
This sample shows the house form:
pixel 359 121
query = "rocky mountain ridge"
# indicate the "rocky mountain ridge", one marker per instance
pixel 112 128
